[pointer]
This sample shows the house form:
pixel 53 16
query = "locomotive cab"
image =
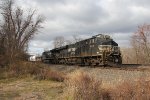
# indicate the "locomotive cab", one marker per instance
pixel 109 49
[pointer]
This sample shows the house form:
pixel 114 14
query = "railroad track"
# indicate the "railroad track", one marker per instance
pixel 129 67
pixel 126 65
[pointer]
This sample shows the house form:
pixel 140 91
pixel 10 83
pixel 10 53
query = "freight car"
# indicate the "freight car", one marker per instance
pixel 97 50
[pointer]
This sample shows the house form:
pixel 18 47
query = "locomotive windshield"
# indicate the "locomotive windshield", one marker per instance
pixel 106 42
pixel 107 45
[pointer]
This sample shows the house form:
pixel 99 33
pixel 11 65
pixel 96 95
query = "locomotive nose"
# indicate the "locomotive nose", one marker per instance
pixel 116 49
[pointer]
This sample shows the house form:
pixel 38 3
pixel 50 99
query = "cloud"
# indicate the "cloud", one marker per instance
pixel 118 18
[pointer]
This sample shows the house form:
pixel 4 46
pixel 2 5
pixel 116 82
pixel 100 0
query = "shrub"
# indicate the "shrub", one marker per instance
pixel 46 74
pixel 138 90
pixel 125 91
pixel 23 68
pixel 84 87
pixel 38 70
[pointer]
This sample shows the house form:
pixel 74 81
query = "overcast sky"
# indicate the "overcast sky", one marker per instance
pixel 85 18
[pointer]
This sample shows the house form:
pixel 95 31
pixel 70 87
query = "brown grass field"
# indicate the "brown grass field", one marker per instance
pixel 64 82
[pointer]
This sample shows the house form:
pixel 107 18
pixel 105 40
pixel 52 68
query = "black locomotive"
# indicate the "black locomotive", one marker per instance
pixel 97 50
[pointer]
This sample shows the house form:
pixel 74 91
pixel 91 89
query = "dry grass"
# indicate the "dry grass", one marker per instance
pixel 23 68
pixel 135 90
pixel 83 87
pixel 31 81
pixel 86 83
pixel 38 70
pixel 30 89
pixel 50 75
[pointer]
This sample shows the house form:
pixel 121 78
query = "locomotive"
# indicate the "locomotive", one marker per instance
pixel 97 50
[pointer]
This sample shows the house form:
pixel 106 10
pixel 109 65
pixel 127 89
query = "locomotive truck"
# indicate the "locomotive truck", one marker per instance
pixel 97 50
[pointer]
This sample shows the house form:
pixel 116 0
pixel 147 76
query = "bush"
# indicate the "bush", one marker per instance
pixel 84 87
pixel 50 75
pixel 138 90
pixel 38 70
pixel 23 68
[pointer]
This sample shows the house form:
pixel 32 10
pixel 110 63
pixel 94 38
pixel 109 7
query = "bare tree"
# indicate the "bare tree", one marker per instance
pixel 68 42
pixel 17 28
pixel 141 43
pixel 128 55
pixel 59 41
pixel 76 38
pixel 136 49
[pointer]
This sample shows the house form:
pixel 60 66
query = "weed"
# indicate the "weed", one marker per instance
pixel 84 87
pixel 38 70
pixel 135 90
